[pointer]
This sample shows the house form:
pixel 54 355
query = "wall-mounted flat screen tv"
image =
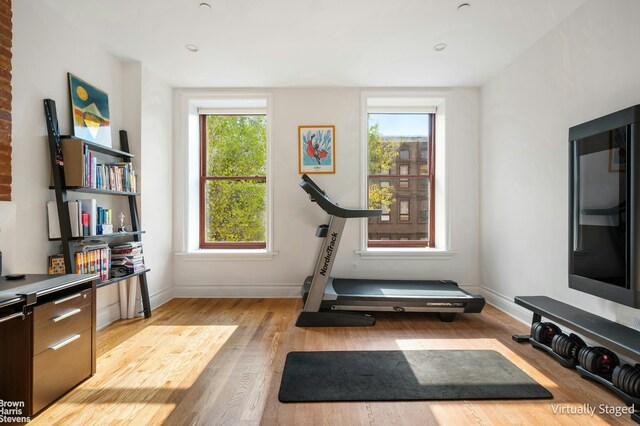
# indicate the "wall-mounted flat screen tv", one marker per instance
pixel 604 189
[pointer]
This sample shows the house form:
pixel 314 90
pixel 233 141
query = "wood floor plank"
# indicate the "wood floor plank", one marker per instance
pixel 220 361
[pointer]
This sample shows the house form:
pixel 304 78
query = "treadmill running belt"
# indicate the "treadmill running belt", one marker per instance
pixel 347 287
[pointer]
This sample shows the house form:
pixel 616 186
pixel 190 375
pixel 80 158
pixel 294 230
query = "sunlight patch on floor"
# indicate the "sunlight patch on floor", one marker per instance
pixel 153 366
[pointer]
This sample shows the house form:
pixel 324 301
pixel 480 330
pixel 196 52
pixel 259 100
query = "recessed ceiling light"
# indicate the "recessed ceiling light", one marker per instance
pixel 205 5
pixel 440 47
pixel 192 48
pixel 464 6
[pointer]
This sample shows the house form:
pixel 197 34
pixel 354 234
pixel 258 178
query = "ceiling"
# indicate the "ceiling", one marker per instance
pixel 304 43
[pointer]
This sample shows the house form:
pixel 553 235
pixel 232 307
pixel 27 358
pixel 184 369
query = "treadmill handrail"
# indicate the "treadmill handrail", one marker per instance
pixel 318 196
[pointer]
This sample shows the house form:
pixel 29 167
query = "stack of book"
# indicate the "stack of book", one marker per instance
pixel 86 218
pixel 81 168
pixel 94 259
pixel 126 259
pixel 110 176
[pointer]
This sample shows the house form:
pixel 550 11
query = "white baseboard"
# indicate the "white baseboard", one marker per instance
pixel 107 315
pixel 160 298
pixel 237 291
pixel 111 313
pixel 506 305
pixel 258 291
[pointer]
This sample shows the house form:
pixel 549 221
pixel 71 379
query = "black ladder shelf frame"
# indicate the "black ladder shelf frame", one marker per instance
pixel 55 150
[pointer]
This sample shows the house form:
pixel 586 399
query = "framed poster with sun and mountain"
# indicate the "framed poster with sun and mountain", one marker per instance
pixel 89 112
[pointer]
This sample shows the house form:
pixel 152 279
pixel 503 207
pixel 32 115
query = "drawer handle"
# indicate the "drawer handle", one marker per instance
pixel 73 296
pixel 65 342
pixel 67 315
pixel 10 317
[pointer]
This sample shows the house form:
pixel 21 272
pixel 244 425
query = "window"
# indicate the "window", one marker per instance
pixel 393 134
pixel 386 213
pixel 233 193
pixel 404 210
pixel 404 171
pixel 424 210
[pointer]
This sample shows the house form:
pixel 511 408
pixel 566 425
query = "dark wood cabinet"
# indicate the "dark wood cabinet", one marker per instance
pixel 48 330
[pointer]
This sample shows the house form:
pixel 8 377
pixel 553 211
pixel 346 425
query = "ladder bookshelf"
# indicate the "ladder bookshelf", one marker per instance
pixel 60 187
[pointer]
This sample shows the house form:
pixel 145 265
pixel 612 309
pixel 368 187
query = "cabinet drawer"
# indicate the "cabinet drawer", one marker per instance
pixel 60 368
pixel 47 333
pixel 44 313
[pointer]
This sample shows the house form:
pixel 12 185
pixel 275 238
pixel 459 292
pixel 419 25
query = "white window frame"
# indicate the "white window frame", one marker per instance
pixel 409 101
pixel 192 104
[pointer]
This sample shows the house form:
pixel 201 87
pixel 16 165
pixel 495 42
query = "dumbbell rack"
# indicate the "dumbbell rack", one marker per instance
pixel 628 399
pixel 621 339
pixel 565 362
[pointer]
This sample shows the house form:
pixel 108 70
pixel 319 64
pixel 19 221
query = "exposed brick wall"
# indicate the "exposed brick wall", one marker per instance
pixel 6 31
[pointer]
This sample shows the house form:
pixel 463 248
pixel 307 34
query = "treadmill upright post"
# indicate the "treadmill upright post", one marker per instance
pixel 311 316
pixel 324 264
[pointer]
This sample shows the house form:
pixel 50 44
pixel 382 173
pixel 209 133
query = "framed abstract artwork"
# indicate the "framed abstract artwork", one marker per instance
pixel 316 149
pixel 89 112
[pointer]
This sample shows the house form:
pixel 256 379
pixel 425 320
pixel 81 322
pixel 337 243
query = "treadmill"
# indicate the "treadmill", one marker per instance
pixel 336 302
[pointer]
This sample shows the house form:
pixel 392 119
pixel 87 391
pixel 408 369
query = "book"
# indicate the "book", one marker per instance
pixel 104 225
pixel 127 251
pixel 56 264
pixel 91 208
pixel 127 245
pixel 54 221
pixel 73 152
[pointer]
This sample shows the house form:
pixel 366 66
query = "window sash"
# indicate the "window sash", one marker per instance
pixel 426 178
pixel 204 178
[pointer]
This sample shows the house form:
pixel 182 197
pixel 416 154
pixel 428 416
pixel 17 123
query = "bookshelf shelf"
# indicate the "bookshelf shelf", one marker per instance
pixel 118 279
pixel 76 176
pixel 98 237
pixel 97 191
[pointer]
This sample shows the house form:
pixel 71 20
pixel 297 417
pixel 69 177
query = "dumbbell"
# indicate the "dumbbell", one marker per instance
pixel 598 360
pixel 543 332
pixel 567 346
pixel 627 379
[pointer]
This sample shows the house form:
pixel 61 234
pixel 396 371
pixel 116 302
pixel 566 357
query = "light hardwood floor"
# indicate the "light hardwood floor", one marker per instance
pixel 219 361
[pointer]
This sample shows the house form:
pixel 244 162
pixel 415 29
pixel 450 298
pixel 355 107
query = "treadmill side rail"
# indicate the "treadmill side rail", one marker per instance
pixel 475 305
pixel 334 319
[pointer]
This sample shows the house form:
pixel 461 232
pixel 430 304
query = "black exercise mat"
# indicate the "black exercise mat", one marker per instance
pixel 403 376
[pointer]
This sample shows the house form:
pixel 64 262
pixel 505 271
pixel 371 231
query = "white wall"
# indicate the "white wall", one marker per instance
pixel 45 48
pixel 8 236
pixel 586 67
pixel 156 201
pixel 296 218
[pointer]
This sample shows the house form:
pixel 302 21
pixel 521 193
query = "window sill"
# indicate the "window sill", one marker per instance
pixel 402 253
pixel 228 254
